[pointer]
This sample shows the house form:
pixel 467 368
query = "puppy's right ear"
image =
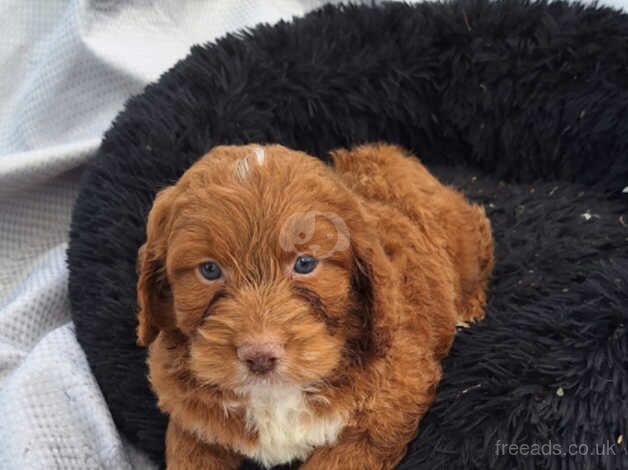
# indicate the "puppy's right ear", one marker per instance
pixel 154 297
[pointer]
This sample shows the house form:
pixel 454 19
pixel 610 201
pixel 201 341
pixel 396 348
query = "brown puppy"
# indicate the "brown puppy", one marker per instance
pixel 296 311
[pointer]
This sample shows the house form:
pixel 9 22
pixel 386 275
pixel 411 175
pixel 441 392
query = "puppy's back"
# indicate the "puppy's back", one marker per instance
pixel 387 174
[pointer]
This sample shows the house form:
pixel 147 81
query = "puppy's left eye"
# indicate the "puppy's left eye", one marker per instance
pixel 305 264
pixel 210 270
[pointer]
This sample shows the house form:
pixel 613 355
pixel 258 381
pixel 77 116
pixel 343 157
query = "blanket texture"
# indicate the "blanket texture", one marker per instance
pixel 522 105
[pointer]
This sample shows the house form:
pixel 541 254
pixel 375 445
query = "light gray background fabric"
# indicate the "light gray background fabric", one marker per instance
pixel 67 68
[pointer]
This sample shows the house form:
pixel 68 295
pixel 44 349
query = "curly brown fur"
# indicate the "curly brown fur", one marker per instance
pixel 355 345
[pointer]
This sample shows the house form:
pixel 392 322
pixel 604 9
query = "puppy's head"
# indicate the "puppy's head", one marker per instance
pixel 265 265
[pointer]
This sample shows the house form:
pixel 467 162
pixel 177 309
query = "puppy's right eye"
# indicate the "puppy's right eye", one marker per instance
pixel 305 264
pixel 210 270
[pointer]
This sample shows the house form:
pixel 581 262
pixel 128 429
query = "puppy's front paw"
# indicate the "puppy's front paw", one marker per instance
pixel 185 452
pixel 354 456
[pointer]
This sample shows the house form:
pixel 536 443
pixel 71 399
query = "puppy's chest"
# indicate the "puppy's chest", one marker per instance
pixel 286 427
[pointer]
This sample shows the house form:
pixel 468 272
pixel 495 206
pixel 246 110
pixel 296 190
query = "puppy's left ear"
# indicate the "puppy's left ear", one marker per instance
pixel 376 287
pixel 154 297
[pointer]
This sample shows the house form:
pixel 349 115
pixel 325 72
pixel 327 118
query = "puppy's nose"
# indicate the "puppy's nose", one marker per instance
pixel 260 358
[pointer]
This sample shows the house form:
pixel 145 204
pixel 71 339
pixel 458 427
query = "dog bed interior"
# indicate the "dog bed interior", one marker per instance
pixel 523 106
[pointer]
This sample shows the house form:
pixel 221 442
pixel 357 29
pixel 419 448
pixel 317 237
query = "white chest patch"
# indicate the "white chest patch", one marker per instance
pixel 287 429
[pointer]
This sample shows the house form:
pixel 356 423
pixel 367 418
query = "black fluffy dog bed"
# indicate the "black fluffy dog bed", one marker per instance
pixel 524 106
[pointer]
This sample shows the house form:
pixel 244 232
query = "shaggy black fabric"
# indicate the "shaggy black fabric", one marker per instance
pixel 522 105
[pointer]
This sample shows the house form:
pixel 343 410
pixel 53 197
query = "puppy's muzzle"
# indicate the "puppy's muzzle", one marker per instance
pixel 260 358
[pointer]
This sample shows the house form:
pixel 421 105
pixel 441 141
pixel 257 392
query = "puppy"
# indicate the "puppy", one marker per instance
pixel 299 312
